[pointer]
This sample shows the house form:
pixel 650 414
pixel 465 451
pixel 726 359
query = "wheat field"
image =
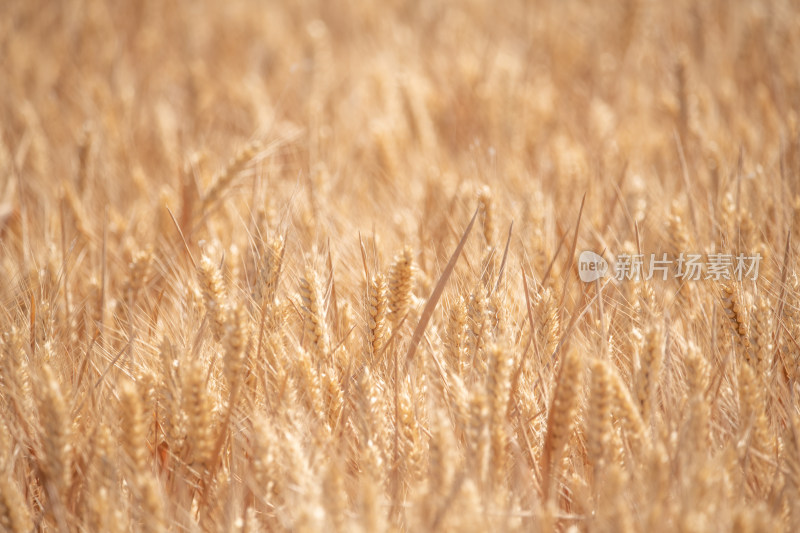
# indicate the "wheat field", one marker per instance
pixel 322 266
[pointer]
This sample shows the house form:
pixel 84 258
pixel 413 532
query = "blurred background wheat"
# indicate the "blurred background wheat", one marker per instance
pixel 241 292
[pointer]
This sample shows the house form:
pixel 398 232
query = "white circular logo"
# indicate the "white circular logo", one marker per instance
pixel 591 266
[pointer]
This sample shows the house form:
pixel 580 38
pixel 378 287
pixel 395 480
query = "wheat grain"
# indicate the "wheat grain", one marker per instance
pixel 236 346
pixel 214 296
pixel 56 430
pixel 270 272
pixel 14 515
pixel 400 286
pixel 454 338
pixel 377 305
pixel 561 416
pixel 549 324
pixel 760 341
pixel 598 417
pixel 498 390
pixel 134 427
pixel 315 328
pixel 199 409
pixel 477 329
pixel 231 171
pixel 736 318
pixel 650 359
pixel 486 209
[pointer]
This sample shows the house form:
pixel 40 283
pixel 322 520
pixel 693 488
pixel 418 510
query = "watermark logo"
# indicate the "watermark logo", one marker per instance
pixel 685 267
pixel 591 266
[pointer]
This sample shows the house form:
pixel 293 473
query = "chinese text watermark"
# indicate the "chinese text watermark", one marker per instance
pixel 663 266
